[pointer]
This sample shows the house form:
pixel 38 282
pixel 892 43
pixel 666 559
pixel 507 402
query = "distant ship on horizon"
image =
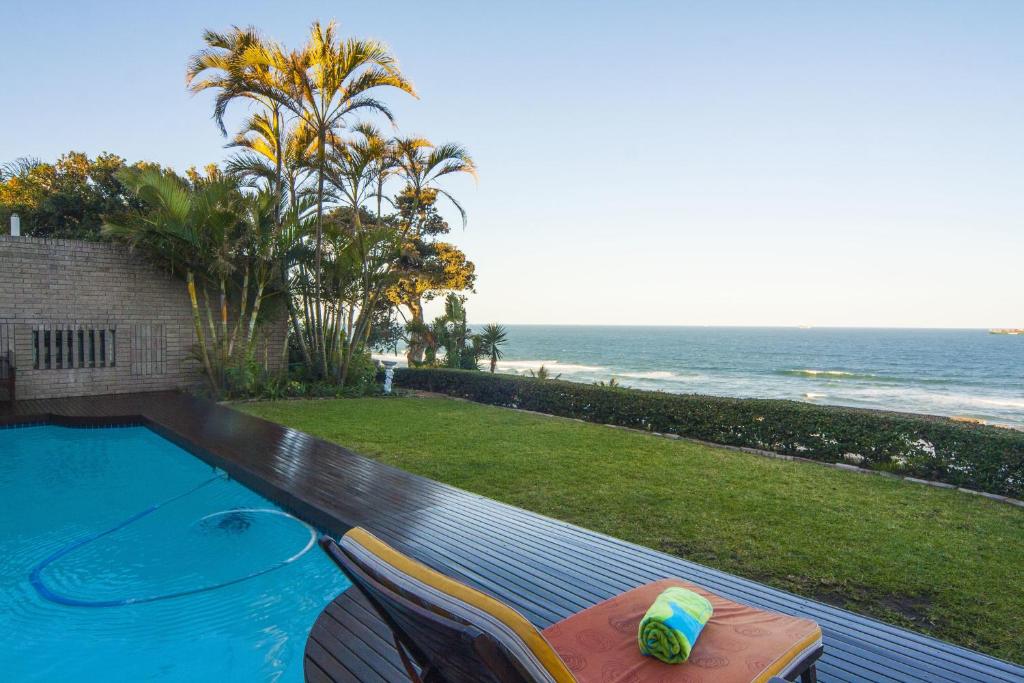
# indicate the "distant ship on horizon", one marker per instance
pixel 1007 330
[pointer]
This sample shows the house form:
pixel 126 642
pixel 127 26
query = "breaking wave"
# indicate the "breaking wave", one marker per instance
pixel 833 374
pixel 524 366
pixel 655 374
pixel 847 375
pixel 1002 403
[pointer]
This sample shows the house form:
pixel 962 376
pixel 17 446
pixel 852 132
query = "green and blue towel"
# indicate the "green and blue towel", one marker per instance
pixel 670 627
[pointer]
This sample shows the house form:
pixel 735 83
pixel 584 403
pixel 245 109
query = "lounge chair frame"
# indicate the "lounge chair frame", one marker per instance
pixel 433 648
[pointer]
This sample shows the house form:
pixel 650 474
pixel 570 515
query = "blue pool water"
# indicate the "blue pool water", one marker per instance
pixel 60 485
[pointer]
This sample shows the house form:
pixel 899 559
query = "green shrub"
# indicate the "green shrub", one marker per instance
pixel 362 374
pixel 972 456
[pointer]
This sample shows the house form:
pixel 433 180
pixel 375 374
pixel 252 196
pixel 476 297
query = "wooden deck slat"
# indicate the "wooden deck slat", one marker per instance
pixel 373 644
pixel 314 673
pixel 545 568
pixel 357 657
pixel 382 646
pixel 333 669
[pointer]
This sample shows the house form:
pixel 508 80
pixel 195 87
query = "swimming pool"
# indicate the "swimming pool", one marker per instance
pixel 127 558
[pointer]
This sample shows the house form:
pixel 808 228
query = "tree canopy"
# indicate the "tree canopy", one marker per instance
pixel 67 198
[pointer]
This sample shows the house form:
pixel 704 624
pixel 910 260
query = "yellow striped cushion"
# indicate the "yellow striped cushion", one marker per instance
pixel 433 589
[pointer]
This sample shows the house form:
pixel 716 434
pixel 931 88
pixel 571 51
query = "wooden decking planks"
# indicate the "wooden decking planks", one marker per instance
pixel 545 568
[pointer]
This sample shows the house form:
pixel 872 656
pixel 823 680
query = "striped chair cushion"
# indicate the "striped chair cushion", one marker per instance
pixel 457 601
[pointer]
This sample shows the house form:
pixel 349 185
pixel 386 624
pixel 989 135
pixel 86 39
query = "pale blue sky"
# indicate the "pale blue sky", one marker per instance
pixel 759 163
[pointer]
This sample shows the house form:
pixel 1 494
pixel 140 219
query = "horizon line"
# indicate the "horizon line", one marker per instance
pixel 745 326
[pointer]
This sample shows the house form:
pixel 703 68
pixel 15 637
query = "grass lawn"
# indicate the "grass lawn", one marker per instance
pixel 938 561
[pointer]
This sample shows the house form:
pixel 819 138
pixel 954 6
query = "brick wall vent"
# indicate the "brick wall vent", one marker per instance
pixel 70 346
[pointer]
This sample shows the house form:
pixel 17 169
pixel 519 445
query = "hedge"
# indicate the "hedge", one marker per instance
pixel 974 456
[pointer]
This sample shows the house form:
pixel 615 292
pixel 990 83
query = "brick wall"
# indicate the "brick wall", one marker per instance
pixel 92 288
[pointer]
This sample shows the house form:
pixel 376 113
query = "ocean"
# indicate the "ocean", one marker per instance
pixel 966 373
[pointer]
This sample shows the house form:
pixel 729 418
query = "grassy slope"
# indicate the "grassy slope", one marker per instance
pixel 935 560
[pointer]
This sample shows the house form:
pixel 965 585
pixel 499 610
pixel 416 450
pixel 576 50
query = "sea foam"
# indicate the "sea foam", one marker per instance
pixel 554 366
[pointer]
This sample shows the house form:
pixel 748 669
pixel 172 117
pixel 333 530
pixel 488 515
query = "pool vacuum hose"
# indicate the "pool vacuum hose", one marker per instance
pixel 36 575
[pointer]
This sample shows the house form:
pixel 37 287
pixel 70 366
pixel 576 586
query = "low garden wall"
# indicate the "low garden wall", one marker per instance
pixel 86 318
pixel 972 456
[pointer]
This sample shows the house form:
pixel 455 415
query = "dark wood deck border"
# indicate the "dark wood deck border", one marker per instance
pixel 545 568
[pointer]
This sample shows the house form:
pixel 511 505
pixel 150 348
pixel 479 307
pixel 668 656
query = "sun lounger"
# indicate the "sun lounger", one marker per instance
pixel 447 632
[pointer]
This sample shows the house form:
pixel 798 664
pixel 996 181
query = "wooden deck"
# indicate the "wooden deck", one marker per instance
pixel 545 568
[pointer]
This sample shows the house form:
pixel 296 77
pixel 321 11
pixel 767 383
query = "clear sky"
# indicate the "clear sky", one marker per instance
pixel 740 163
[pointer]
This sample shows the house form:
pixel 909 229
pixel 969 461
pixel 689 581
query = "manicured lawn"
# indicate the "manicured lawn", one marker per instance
pixel 934 560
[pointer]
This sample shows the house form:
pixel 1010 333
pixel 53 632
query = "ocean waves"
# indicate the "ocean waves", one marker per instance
pixel 601 371
pixel 826 374
pixel 963 373
pixel 521 367
pixel 659 375
pixel 861 376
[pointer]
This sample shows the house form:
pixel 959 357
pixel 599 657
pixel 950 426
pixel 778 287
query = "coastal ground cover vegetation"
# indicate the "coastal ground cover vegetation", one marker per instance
pixel 938 561
pixel 969 455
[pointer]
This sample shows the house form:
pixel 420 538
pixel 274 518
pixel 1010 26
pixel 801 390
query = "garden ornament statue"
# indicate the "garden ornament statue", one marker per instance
pixel 389 374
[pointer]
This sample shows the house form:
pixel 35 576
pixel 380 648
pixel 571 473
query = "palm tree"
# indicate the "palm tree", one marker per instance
pixel 261 245
pixel 434 337
pixel 423 164
pixel 231 65
pixel 20 167
pixel 272 155
pixel 458 332
pixel 242 64
pixel 354 170
pixel 320 85
pixel 492 338
pixel 330 79
pixel 359 272
pixel 190 230
pixel 277 160
pixel 213 235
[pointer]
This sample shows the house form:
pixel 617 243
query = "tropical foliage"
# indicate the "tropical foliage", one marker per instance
pixel 355 248
pixel 223 243
pixel 317 214
pixel 449 332
pixel 492 340
pixel 429 267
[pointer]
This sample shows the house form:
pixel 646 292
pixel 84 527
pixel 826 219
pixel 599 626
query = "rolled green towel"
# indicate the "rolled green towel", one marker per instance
pixel 670 628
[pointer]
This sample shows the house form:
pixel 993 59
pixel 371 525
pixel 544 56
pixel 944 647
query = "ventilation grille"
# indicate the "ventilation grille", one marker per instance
pixel 70 346
pixel 149 349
